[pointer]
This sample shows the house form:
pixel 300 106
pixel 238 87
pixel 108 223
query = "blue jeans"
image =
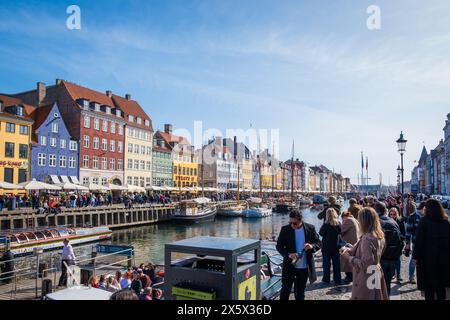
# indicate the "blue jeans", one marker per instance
pixel 388 267
pixel 398 268
pixel 412 267
pixel 326 261
pixel 1 206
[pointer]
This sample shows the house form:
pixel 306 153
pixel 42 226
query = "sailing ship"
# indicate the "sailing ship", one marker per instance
pixel 257 209
pixel 287 205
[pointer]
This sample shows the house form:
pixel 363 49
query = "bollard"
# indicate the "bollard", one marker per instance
pixel 43 270
pixel 46 287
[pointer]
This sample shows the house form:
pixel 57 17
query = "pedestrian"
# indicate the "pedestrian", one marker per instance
pixel 67 259
pixel 7 266
pixel 147 294
pixel 394 244
pixel 330 232
pixel 354 207
pixel 93 282
pixel 136 284
pixel 102 282
pixel 365 257
pixel 331 204
pixel 350 233
pixel 394 214
pixel 2 203
pixel 112 285
pixel 125 281
pixel 145 279
pixel 431 252
pixel 411 225
pixel 124 294
pixel 296 243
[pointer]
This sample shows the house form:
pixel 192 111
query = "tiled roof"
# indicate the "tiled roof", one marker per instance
pixel 9 101
pixel 39 117
pixel 161 149
pixel 132 107
pixel 172 139
pixel 79 92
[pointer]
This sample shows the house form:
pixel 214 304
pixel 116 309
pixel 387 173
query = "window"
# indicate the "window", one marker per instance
pixel 142 165
pixel 104 163
pixel 53 142
pixel 85 181
pixel 136 149
pixel 23 151
pixel 85 161
pixel 9 149
pixel 104 144
pixel 87 122
pixel 130 164
pixel 73 146
pixel 86 140
pixel 96 143
pixel 112 146
pixel 130 118
pixel 62 161
pixel 147 123
pixel 52 160
pixel 55 127
pixel 62 143
pixel 19 111
pixel 149 151
pixel 175 170
pixel 24 130
pixel 141 135
pixel 119 164
pixel 113 127
pixel 129 180
pixel 105 126
pixel 96 124
pixel 22 175
pixel 41 159
pixel 118 114
pixel 10 127
pixel 142 181
pixel 136 164
pixel 112 164
pixel 142 150
pixel 130 147
pixel 97 107
pixel 119 146
pixel 121 130
pixel 136 181
pixel 43 140
pixel 147 182
pixel 95 162
pixel 95 180
pixel 72 162
pixel 108 110
pixel 139 120
pixel 9 175
pixel 148 166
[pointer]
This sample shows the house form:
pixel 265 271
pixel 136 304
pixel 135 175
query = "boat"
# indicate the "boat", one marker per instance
pixel 304 203
pixel 257 209
pixel 195 211
pixel 25 241
pixel 236 211
pixel 319 199
pixel 285 207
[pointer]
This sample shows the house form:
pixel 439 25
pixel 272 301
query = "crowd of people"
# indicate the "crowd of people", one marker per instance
pixel 367 241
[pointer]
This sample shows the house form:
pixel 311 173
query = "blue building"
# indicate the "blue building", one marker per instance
pixel 54 156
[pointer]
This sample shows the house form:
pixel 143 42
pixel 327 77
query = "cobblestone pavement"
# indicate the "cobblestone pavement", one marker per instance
pixel 320 291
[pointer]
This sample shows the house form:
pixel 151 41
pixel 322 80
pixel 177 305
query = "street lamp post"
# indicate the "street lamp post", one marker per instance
pixel 399 172
pixel 401 143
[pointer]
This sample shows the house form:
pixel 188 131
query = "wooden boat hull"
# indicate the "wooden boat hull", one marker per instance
pixel 206 216
pixel 257 213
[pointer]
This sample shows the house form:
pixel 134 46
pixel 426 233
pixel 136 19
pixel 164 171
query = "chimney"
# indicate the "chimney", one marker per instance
pixel 41 92
pixel 168 128
pixel 109 93
pixel 128 96
pixel 58 81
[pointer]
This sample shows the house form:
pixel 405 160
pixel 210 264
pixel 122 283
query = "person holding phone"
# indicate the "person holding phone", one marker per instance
pixel 296 243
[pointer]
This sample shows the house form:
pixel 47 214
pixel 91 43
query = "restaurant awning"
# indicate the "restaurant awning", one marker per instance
pixel 116 187
pixel 74 180
pixel 97 187
pixel 133 188
pixel 65 179
pixel 55 179
pixel 72 186
pixel 9 186
pixel 38 185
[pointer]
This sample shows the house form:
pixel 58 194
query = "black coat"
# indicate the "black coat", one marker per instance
pixel 432 252
pixel 323 214
pixel 286 244
pixel 330 239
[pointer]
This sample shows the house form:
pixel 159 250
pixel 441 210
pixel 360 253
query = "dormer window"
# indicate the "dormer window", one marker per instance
pixel 108 110
pixel 147 123
pixel 118 113
pixel 19 111
pixel 85 104
pixel 97 107
pixel 139 120
pixel 130 118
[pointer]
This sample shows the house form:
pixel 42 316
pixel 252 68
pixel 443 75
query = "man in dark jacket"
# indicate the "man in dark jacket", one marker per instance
pixel 331 204
pixel 394 244
pixel 7 266
pixel 297 243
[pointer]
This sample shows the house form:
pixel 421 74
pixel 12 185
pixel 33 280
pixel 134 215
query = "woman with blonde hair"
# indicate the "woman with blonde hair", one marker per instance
pixel 330 232
pixel 350 233
pixel 365 257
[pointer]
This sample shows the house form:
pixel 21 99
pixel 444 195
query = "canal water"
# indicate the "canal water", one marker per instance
pixel 149 241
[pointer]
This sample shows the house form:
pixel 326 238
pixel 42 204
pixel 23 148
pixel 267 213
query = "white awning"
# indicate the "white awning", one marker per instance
pixel 97 187
pixel 72 186
pixel 37 185
pixel 202 200
pixel 9 186
pixel 74 179
pixel 55 179
pixel 65 179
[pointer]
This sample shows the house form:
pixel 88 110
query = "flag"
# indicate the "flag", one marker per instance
pixel 362 161
pixel 367 163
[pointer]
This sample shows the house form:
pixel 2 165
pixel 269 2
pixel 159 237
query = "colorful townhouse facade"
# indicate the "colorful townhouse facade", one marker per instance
pixel 15 139
pixel 53 151
pixel 162 167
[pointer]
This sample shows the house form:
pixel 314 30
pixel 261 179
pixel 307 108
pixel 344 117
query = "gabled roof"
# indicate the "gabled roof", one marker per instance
pixel 172 140
pixel 424 154
pixel 9 101
pixel 132 107
pixel 78 92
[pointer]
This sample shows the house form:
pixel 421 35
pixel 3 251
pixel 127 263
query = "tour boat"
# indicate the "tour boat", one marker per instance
pixel 256 209
pixel 285 207
pixel 194 211
pixel 25 241
pixel 236 211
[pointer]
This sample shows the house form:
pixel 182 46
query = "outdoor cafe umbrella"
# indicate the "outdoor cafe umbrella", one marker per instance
pixel 72 186
pixel 97 187
pixel 9 186
pixel 112 186
pixel 38 185
pixel 133 188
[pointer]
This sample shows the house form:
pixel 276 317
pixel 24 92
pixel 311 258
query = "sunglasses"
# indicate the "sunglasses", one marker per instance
pixel 294 223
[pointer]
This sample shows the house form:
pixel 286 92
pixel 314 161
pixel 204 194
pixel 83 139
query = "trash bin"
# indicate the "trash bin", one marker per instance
pixel 12 203
pixel 42 270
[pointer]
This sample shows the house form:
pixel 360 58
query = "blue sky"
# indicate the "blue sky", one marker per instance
pixel 311 69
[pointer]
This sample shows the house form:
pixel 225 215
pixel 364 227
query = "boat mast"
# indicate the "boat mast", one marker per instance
pixel 238 183
pixel 203 181
pixel 292 172
pixel 260 179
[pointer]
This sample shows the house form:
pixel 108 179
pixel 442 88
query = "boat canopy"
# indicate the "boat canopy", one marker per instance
pixel 202 200
pixel 255 200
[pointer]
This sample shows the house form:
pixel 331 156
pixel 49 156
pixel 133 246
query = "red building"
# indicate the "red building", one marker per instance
pixel 95 120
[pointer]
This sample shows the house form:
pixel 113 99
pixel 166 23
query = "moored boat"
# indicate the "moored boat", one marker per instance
pixel 22 242
pixel 195 211
pixel 237 211
pixel 257 209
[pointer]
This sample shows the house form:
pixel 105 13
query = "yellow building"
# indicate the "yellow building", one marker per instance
pixel 247 173
pixel 185 162
pixel 15 139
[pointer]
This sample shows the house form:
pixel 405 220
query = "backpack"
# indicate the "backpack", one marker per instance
pixel 394 242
